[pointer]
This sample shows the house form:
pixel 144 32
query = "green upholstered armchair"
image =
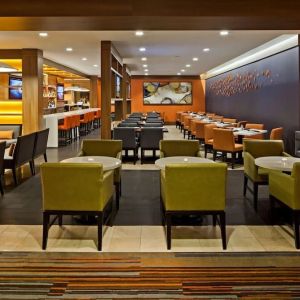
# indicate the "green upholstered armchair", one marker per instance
pixel 286 189
pixel 111 148
pixel 194 189
pixel 75 189
pixel 259 176
pixel 179 148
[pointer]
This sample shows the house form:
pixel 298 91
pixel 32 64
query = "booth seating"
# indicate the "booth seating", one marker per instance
pixel 9 133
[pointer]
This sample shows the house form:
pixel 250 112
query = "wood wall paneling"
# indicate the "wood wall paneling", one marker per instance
pixel 105 89
pixel 124 91
pixel 32 66
pixel 94 91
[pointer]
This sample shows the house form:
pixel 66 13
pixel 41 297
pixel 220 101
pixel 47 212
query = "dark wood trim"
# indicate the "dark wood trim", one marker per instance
pixel 54 64
pixel 106 86
pixel 124 91
pixel 11 53
pixel 166 77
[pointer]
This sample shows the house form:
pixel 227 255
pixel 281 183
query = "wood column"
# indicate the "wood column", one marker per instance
pixel 32 74
pixel 94 91
pixel 124 92
pixel 105 89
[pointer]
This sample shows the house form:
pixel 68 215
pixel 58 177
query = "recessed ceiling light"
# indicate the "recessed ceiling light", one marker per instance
pixel 146 70
pixel 195 59
pixel 69 49
pixel 139 33
pixel 224 32
pixel 84 58
pixel 95 66
pixel 178 73
pixel 142 49
pixel 188 66
pixel 182 70
pixel 146 74
pixel 206 50
pixel 144 58
pixel 43 34
pixel 145 66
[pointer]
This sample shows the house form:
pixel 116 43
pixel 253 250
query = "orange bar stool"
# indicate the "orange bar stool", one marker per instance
pixel 76 119
pixel 97 117
pixel 65 131
pixel 84 124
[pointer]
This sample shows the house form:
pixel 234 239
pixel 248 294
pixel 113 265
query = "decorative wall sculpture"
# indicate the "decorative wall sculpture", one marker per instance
pixel 168 93
pixel 239 83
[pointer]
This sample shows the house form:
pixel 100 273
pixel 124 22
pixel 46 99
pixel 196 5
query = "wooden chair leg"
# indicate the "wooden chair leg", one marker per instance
pixel 117 195
pixel 205 151
pixel 45 157
pixel 99 223
pixel 46 218
pixel 60 220
pixel 255 194
pixel 245 185
pixel 223 229
pixel 214 155
pixel 14 172
pixel 169 230
pixel 214 220
pixel 296 229
pixel 233 158
pixel 32 167
pixel 1 185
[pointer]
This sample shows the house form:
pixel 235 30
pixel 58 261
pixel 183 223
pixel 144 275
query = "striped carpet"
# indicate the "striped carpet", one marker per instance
pixel 149 276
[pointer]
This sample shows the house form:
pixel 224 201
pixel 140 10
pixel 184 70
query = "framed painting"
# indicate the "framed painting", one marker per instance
pixel 168 93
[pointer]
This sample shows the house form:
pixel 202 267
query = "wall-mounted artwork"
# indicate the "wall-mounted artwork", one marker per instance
pixel 168 93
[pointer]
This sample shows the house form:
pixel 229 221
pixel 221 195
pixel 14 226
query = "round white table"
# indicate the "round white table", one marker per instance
pixel 280 163
pixel 109 163
pixel 162 162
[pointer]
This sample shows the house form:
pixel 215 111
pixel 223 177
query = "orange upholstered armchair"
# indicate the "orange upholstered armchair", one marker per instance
pixel 208 137
pixel 255 126
pixel 276 133
pixel 224 142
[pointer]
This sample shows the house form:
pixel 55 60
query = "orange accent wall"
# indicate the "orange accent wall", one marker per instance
pixel 169 111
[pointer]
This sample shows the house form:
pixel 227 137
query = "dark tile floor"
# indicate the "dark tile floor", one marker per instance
pixel 139 202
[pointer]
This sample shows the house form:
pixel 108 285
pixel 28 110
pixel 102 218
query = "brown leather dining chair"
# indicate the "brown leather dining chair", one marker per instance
pixel 224 142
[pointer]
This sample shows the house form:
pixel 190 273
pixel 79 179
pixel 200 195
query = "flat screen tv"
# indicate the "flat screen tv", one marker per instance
pixel 15 87
pixel 60 92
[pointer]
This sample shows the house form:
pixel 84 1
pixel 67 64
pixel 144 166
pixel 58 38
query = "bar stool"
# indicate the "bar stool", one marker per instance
pixel 65 130
pixel 97 116
pixel 84 124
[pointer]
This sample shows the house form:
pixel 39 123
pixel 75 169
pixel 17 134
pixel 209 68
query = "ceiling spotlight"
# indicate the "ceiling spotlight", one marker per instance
pixel 188 66
pixel 146 74
pixel 43 34
pixel 146 70
pixel 84 58
pixel 182 70
pixel 142 49
pixel 69 49
pixel 95 66
pixel 195 59
pixel 145 66
pixel 224 32
pixel 144 58
pixel 139 33
pixel 178 73
pixel 206 50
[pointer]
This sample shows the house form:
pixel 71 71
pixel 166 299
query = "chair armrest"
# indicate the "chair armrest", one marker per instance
pixel 107 187
pixel 250 167
pixel 119 155
pixel 285 154
pixel 162 154
pixel 81 153
pixel 280 183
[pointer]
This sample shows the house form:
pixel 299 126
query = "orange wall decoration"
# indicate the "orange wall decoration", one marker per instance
pixel 169 111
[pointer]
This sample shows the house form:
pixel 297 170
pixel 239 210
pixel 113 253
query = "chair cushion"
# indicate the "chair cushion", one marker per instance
pixel 6 134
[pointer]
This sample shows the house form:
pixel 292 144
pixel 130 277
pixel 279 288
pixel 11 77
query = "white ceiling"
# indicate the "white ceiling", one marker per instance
pixel 167 51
